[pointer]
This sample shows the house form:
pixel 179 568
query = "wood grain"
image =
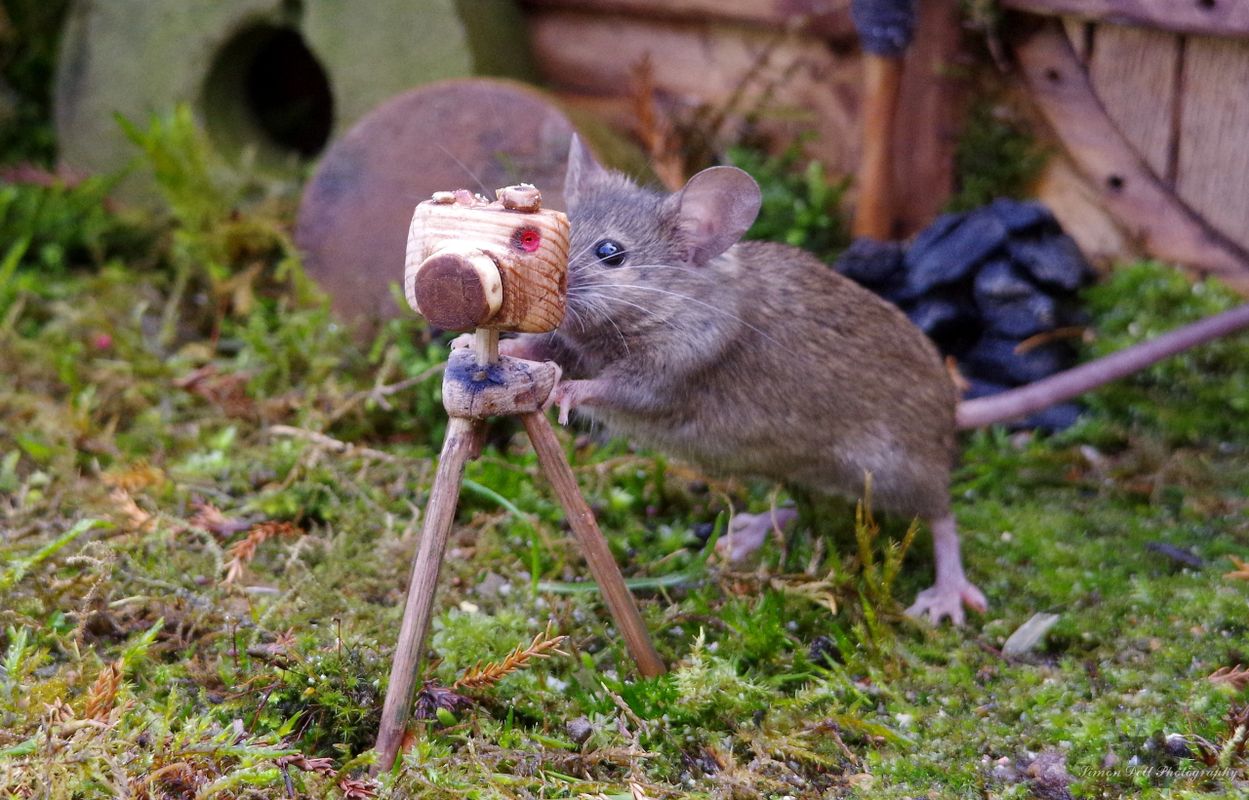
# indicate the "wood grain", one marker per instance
pixel 534 284
pixel 462 442
pixel 873 213
pixel 1163 225
pixel 597 553
pixel 1213 154
pixel 1210 17
pixel 930 115
pixel 829 19
pixel 1133 72
pixel 790 83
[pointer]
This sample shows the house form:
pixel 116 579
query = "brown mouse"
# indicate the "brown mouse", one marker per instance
pixel 755 359
pixel 750 358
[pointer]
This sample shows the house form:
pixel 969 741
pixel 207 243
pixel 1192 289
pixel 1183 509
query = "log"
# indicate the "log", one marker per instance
pixel 1208 17
pixel 796 83
pixel 1213 157
pixel 1166 227
pixel 827 19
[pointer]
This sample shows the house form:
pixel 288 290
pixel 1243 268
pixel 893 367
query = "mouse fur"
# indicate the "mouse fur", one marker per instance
pixel 750 358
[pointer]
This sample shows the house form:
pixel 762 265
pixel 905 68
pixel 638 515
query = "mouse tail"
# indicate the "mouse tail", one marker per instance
pixel 1025 400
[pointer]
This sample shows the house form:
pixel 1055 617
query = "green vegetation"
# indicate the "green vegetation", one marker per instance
pixel 996 157
pixel 800 204
pixel 209 495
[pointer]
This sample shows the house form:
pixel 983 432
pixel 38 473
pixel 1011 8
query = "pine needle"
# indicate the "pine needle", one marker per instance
pixel 103 693
pixel 479 676
pixel 244 550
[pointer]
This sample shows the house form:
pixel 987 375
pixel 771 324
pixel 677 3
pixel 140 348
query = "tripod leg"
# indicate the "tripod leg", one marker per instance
pixel 461 444
pixel 593 545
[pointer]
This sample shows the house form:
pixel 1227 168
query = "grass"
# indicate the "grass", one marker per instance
pixel 208 504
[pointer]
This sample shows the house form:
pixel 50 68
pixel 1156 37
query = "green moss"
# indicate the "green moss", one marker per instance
pixel 758 703
pixel 995 157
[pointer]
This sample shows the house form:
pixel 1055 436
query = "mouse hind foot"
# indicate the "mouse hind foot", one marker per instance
pixel 952 592
pixel 747 532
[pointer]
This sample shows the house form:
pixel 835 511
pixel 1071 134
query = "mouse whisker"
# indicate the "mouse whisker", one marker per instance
pixel 696 301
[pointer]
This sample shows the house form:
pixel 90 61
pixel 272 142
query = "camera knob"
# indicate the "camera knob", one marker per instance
pixel 458 288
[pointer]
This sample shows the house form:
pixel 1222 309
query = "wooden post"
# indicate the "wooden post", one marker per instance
pixel 462 443
pixel 874 214
pixel 597 553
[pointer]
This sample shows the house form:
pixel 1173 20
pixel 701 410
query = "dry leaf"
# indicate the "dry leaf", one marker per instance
pixel 1237 677
pixel 1241 573
pixel 244 550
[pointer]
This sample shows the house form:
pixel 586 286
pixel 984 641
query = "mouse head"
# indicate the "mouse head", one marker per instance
pixel 631 244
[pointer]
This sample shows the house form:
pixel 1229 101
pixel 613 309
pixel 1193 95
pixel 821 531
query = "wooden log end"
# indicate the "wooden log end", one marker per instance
pixel 458 291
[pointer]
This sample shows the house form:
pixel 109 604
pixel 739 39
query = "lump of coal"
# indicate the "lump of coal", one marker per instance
pixel 952 257
pixel 1020 217
pixel 997 360
pixel 1054 260
pixel 943 319
pixel 871 263
pixel 1010 304
pixel 978 284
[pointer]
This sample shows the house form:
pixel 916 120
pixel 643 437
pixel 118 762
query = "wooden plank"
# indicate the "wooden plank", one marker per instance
pixel 829 19
pixel 1166 227
pixel 930 116
pixel 1213 157
pixel 795 83
pixel 1080 34
pixel 1077 206
pixel 1207 17
pixel 1134 71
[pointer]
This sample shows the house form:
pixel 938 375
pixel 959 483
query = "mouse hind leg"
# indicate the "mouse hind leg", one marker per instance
pixel 951 592
pixel 747 533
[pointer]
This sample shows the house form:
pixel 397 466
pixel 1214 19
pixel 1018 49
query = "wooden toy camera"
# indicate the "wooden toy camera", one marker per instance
pixel 502 265
pixel 495 266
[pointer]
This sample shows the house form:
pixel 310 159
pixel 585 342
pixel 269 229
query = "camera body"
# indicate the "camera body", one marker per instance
pixel 498 265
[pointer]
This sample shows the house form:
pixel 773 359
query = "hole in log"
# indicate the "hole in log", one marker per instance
pixel 1115 183
pixel 1053 75
pixel 1206 5
pixel 267 90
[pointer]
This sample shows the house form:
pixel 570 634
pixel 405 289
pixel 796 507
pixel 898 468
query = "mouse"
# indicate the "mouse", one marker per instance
pixel 749 359
pixel 756 360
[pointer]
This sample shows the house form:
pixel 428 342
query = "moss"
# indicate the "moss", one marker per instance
pixel 996 157
pixel 237 688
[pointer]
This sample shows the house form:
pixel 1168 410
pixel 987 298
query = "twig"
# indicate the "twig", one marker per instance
pixel 479 676
pixel 330 443
pixel 380 393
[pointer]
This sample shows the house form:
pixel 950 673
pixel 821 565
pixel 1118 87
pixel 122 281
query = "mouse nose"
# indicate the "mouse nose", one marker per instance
pixel 458 288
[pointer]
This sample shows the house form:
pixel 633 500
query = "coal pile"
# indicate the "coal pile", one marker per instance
pixel 981 284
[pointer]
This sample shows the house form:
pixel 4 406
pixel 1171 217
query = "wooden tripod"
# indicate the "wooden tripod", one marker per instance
pixel 478 384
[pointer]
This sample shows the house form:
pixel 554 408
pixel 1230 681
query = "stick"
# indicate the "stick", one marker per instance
pixel 597 554
pixel 873 215
pixel 461 444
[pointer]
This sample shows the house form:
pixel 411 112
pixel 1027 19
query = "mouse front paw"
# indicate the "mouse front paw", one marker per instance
pixel 567 395
pixel 940 602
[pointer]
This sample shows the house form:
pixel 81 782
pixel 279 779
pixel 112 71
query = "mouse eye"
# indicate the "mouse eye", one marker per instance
pixel 610 252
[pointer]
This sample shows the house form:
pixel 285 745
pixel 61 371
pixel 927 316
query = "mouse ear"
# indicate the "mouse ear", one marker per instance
pixel 583 171
pixel 715 209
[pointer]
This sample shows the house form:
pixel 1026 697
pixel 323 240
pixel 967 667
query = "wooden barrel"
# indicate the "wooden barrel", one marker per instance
pixel 1150 98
